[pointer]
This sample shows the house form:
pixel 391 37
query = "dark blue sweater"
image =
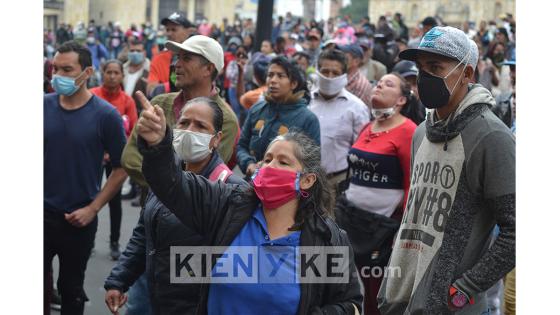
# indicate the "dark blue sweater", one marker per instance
pixel 267 120
pixel 74 143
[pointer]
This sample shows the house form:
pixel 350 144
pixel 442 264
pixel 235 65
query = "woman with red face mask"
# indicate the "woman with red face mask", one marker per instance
pixel 278 216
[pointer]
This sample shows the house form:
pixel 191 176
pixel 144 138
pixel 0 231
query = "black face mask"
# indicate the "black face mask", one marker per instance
pixel 433 90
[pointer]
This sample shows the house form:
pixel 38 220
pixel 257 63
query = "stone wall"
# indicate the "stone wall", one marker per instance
pixel 124 11
pixel 76 11
pixel 453 12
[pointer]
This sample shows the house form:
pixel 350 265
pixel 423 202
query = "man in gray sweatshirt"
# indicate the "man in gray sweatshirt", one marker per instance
pixel 462 185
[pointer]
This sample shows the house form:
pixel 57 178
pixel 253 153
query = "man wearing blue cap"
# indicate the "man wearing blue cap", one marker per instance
pixel 462 185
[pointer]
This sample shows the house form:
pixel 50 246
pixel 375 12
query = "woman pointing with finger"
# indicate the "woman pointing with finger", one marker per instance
pixel 285 207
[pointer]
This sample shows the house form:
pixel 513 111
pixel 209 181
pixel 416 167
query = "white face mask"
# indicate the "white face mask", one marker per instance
pixel 331 86
pixel 381 114
pixel 191 146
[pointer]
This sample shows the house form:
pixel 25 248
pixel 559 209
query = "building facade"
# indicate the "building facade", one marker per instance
pixel 453 12
pixel 67 11
pixel 138 11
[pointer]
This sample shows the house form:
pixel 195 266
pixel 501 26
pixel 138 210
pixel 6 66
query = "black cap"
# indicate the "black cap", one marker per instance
pixel 503 31
pixel 406 68
pixel 429 21
pixel 179 19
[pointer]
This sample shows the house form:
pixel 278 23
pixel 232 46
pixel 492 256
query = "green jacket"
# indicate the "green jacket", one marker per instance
pixel 131 159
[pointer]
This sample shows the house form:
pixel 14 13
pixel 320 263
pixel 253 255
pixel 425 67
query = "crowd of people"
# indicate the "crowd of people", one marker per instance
pixel 395 142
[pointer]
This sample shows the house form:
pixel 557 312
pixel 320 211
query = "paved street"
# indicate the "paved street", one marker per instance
pixel 100 263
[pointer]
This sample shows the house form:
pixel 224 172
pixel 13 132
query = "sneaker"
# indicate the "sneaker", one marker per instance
pixel 131 194
pixel 55 300
pixel 115 252
pixel 126 187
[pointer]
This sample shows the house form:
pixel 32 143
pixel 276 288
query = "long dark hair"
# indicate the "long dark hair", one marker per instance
pixel 412 108
pixel 308 153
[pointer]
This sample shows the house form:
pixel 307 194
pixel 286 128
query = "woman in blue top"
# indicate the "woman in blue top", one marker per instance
pixel 284 210
pixel 284 108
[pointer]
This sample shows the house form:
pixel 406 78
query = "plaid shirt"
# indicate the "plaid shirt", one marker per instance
pixel 359 85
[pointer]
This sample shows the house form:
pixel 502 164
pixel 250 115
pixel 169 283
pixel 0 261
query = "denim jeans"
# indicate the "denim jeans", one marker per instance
pixel 232 95
pixel 139 297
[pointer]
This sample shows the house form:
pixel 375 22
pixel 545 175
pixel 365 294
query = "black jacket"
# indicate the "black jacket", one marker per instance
pixel 148 251
pixel 219 211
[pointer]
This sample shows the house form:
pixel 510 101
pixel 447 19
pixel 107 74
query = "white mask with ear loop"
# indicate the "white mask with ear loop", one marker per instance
pixel 191 146
pixel 331 86
pixel 381 114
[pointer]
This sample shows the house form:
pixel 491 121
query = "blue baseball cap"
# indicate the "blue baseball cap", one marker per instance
pixel 406 68
pixel 353 49
pixel 446 41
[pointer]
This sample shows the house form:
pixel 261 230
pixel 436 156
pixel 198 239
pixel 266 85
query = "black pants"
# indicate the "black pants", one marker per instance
pixel 73 246
pixel 115 210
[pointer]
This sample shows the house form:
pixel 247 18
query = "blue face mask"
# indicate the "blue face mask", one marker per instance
pixel 65 85
pixel 136 57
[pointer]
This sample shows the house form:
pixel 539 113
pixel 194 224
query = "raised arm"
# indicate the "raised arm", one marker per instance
pixel 197 203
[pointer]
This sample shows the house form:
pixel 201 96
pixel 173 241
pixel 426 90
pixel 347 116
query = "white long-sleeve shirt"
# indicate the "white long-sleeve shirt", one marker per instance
pixel 341 119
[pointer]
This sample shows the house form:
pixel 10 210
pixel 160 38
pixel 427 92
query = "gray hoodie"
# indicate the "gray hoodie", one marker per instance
pixel 462 185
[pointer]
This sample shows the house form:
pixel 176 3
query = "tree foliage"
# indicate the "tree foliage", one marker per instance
pixel 357 9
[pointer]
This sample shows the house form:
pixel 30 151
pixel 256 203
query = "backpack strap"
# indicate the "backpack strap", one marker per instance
pixel 220 172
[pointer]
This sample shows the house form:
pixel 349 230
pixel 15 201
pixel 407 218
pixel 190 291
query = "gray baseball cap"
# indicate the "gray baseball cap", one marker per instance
pixel 446 41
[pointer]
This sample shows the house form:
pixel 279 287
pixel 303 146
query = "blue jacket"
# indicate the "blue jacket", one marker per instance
pixel 98 52
pixel 266 120
pixel 148 251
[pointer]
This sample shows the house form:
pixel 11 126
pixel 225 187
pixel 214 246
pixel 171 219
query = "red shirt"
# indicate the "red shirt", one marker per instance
pixel 386 154
pixel 159 67
pixel 122 102
pixel 228 57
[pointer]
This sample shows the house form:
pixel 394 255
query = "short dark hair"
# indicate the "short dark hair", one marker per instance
pixel 136 41
pixel 84 55
pixel 336 55
pixel 205 61
pixel 429 21
pixel 302 54
pixel 218 120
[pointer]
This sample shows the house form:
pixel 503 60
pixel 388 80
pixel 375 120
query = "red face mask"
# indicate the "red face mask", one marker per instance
pixel 275 186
